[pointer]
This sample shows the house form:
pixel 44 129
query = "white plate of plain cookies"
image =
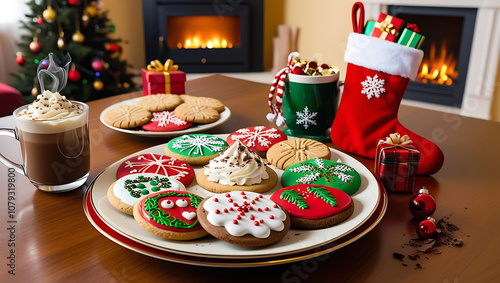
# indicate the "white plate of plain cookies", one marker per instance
pixel 205 117
pixel 366 200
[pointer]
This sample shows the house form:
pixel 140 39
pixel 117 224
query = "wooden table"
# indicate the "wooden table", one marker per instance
pixel 54 241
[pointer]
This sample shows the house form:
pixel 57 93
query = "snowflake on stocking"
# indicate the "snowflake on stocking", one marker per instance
pixel 373 87
pixel 306 118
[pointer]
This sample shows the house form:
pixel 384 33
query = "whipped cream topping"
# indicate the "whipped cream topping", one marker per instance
pixel 237 165
pixel 50 106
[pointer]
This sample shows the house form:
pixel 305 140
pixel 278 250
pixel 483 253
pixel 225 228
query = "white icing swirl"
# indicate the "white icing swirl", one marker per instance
pixel 244 213
pixel 237 166
pixel 50 106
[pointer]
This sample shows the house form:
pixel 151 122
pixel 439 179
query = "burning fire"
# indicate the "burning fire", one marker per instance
pixel 199 42
pixel 438 68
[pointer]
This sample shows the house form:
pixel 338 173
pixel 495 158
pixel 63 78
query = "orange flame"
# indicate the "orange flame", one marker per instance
pixel 438 68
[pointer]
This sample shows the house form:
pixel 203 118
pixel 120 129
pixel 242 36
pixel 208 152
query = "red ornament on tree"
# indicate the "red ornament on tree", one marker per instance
pixel 74 2
pixel 74 75
pixel 35 46
pixel 422 205
pixel 113 47
pixel 97 65
pixel 19 58
pixel 427 228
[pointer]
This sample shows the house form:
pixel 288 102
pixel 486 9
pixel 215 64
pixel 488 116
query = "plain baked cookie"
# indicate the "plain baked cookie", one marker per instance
pixel 170 215
pixel 201 114
pixel 292 151
pixel 127 116
pixel 314 206
pixel 262 187
pixel 126 191
pixel 195 149
pixel 201 100
pixel 159 102
pixel 243 218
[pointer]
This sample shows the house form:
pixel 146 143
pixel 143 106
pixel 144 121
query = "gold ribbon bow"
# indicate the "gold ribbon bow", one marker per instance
pixel 157 66
pixel 386 27
pixel 396 139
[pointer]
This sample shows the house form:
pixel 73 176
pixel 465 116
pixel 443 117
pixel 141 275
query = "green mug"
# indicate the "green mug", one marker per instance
pixel 310 104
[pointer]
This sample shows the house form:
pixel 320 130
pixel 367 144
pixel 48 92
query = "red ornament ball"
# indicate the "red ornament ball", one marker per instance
pixel 97 65
pixel 113 47
pixel 35 46
pixel 427 228
pixel 39 20
pixel 20 60
pixel 422 205
pixel 74 2
pixel 74 75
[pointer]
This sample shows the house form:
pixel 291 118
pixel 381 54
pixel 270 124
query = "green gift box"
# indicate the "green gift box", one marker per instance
pixel 368 27
pixel 411 38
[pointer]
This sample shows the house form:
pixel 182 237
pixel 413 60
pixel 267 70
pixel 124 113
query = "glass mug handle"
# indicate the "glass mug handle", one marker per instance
pixel 13 134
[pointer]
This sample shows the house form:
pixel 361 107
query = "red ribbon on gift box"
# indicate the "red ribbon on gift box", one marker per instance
pixel 396 163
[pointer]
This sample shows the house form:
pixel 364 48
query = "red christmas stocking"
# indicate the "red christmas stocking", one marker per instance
pixel 378 72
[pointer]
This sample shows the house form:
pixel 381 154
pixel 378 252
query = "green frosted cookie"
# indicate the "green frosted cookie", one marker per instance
pixel 196 149
pixel 322 172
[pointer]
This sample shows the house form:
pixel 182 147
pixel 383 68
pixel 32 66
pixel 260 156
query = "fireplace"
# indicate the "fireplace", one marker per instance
pixel 448 39
pixel 205 35
pixel 483 64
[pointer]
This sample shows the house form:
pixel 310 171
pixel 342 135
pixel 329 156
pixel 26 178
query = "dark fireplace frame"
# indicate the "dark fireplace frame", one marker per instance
pixel 443 94
pixel 246 58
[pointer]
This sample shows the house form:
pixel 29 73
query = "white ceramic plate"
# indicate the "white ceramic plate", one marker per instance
pixel 195 128
pixel 366 200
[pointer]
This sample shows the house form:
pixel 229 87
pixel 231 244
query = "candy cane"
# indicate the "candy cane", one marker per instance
pixel 278 85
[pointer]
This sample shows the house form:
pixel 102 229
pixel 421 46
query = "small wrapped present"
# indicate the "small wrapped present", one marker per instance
pixel 411 37
pixel 396 163
pixel 387 27
pixel 159 78
pixel 369 27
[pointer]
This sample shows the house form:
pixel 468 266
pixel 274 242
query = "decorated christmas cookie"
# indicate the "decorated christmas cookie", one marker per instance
pixel 258 139
pixel 237 169
pixel 322 172
pixel 158 164
pixel 244 218
pixel 126 191
pixel 165 121
pixel 170 215
pixel 289 152
pixel 314 206
pixel 195 148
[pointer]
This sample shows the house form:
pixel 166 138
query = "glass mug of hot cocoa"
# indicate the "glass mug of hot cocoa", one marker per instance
pixel 53 134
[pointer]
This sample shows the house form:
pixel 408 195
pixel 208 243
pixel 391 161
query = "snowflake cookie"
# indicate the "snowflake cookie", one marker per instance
pixel 322 172
pixel 158 164
pixel 165 121
pixel 258 138
pixel 195 149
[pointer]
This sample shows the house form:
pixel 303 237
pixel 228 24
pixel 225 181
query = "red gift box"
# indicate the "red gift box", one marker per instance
pixel 387 27
pixel 159 78
pixel 396 163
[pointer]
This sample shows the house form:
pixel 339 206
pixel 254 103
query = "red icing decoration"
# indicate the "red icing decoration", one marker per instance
pixel 176 212
pixel 258 138
pixel 317 207
pixel 158 164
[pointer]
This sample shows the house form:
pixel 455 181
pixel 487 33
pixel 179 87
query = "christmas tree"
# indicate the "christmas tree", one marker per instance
pixel 82 29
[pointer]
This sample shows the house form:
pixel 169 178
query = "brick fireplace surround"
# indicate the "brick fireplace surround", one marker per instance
pixel 485 51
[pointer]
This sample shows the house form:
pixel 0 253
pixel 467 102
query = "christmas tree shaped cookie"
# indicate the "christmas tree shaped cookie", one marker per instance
pixel 322 172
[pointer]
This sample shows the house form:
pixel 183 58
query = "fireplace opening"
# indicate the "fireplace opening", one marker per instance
pixel 191 32
pixel 205 35
pixel 448 40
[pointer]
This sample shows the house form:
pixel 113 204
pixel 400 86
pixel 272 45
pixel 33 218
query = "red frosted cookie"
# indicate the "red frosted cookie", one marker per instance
pixel 314 206
pixel 158 164
pixel 165 121
pixel 258 138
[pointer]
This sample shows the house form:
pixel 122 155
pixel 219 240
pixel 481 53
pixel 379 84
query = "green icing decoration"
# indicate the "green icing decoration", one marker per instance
pixel 153 183
pixel 140 186
pixel 197 145
pixel 132 185
pixel 323 194
pixel 144 192
pixel 295 198
pixel 155 189
pixel 164 218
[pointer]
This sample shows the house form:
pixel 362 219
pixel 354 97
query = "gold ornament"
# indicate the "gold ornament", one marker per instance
pixel 78 37
pixel 49 14
pixel 98 85
pixel 91 11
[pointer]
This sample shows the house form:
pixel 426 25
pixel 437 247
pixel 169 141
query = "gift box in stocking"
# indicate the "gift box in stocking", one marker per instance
pixel 377 74
pixel 396 163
